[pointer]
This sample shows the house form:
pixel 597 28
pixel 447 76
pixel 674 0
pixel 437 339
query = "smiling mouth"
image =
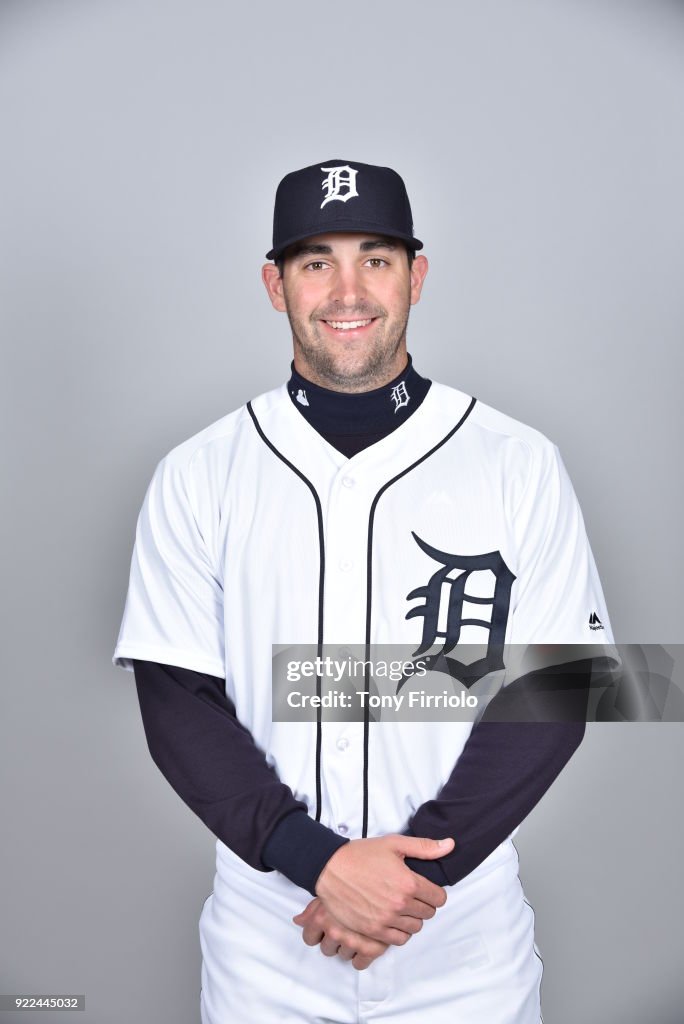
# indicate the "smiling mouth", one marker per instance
pixel 348 325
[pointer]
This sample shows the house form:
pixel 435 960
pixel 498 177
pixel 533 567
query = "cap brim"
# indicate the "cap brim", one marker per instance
pixel 413 243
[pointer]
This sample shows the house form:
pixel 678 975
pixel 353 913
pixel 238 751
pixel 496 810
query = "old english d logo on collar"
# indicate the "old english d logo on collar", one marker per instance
pixel 400 396
pixel 444 596
pixel 339 178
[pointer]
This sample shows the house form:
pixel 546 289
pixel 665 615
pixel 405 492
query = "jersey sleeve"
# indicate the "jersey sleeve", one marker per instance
pixel 559 606
pixel 174 604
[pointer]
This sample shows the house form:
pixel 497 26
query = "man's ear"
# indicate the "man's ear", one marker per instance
pixel 270 275
pixel 419 269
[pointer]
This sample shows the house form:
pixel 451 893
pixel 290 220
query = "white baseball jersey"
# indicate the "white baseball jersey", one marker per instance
pixel 256 532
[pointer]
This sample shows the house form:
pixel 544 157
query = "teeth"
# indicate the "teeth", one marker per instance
pixel 348 325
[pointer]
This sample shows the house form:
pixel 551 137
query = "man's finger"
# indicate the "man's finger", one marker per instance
pixel 362 963
pixel 427 892
pixel 411 925
pixel 312 934
pixel 305 915
pixel 395 937
pixel 420 846
pixel 420 909
pixel 329 947
pixel 346 952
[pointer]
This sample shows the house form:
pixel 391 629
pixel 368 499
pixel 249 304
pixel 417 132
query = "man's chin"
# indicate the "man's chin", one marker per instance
pixel 348 366
pixel 345 370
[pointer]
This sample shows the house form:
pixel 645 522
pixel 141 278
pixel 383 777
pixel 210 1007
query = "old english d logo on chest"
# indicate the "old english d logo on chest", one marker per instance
pixel 444 596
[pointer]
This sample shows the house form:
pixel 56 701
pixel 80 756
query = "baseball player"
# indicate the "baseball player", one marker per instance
pixel 358 502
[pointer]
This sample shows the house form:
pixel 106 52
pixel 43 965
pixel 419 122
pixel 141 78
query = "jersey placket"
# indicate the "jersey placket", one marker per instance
pixel 346 529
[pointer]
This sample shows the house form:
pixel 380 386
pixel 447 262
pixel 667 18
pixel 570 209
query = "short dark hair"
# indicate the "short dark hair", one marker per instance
pixel 280 260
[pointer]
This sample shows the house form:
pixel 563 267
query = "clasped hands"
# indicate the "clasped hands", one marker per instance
pixel 368 899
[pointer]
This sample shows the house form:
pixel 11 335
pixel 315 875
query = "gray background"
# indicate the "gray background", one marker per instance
pixel 542 146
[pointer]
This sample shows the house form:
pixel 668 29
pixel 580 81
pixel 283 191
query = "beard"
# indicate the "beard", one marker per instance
pixel 355 368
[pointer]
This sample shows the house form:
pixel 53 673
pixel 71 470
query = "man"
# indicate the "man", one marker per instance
pixel 358 503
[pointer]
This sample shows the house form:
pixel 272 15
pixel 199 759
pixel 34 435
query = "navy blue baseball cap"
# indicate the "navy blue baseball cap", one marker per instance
pixel 341 195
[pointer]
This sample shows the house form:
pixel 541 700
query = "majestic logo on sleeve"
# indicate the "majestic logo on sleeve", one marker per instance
pixel 339 179
pixel 399 396
pixel 445 596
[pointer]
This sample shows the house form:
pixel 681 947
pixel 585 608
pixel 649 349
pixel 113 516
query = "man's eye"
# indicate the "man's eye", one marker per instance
pixel 377 261
pixel 315 265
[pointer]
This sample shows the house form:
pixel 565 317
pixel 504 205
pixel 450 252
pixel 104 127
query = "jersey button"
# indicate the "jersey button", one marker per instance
pixel 343 829
pixel 342 743
pixel 346 564
pixel 347 481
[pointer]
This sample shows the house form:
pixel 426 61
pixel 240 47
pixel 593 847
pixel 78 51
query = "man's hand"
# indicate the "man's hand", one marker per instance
pixel 368 889
pixel 319 926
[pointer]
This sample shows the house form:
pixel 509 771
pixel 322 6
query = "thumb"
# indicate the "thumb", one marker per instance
pixel 304 914
pixel 425 849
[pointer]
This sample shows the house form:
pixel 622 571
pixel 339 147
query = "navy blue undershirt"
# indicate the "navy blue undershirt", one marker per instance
pixel 352 422
pixel 213 764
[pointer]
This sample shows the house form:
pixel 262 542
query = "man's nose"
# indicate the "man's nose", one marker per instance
pixel 347 285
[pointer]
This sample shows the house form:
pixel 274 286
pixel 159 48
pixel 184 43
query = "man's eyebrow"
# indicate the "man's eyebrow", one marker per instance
pixel 377 243
pixel 311 250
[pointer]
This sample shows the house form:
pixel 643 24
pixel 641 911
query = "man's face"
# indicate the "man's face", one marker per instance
pixel 347 297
